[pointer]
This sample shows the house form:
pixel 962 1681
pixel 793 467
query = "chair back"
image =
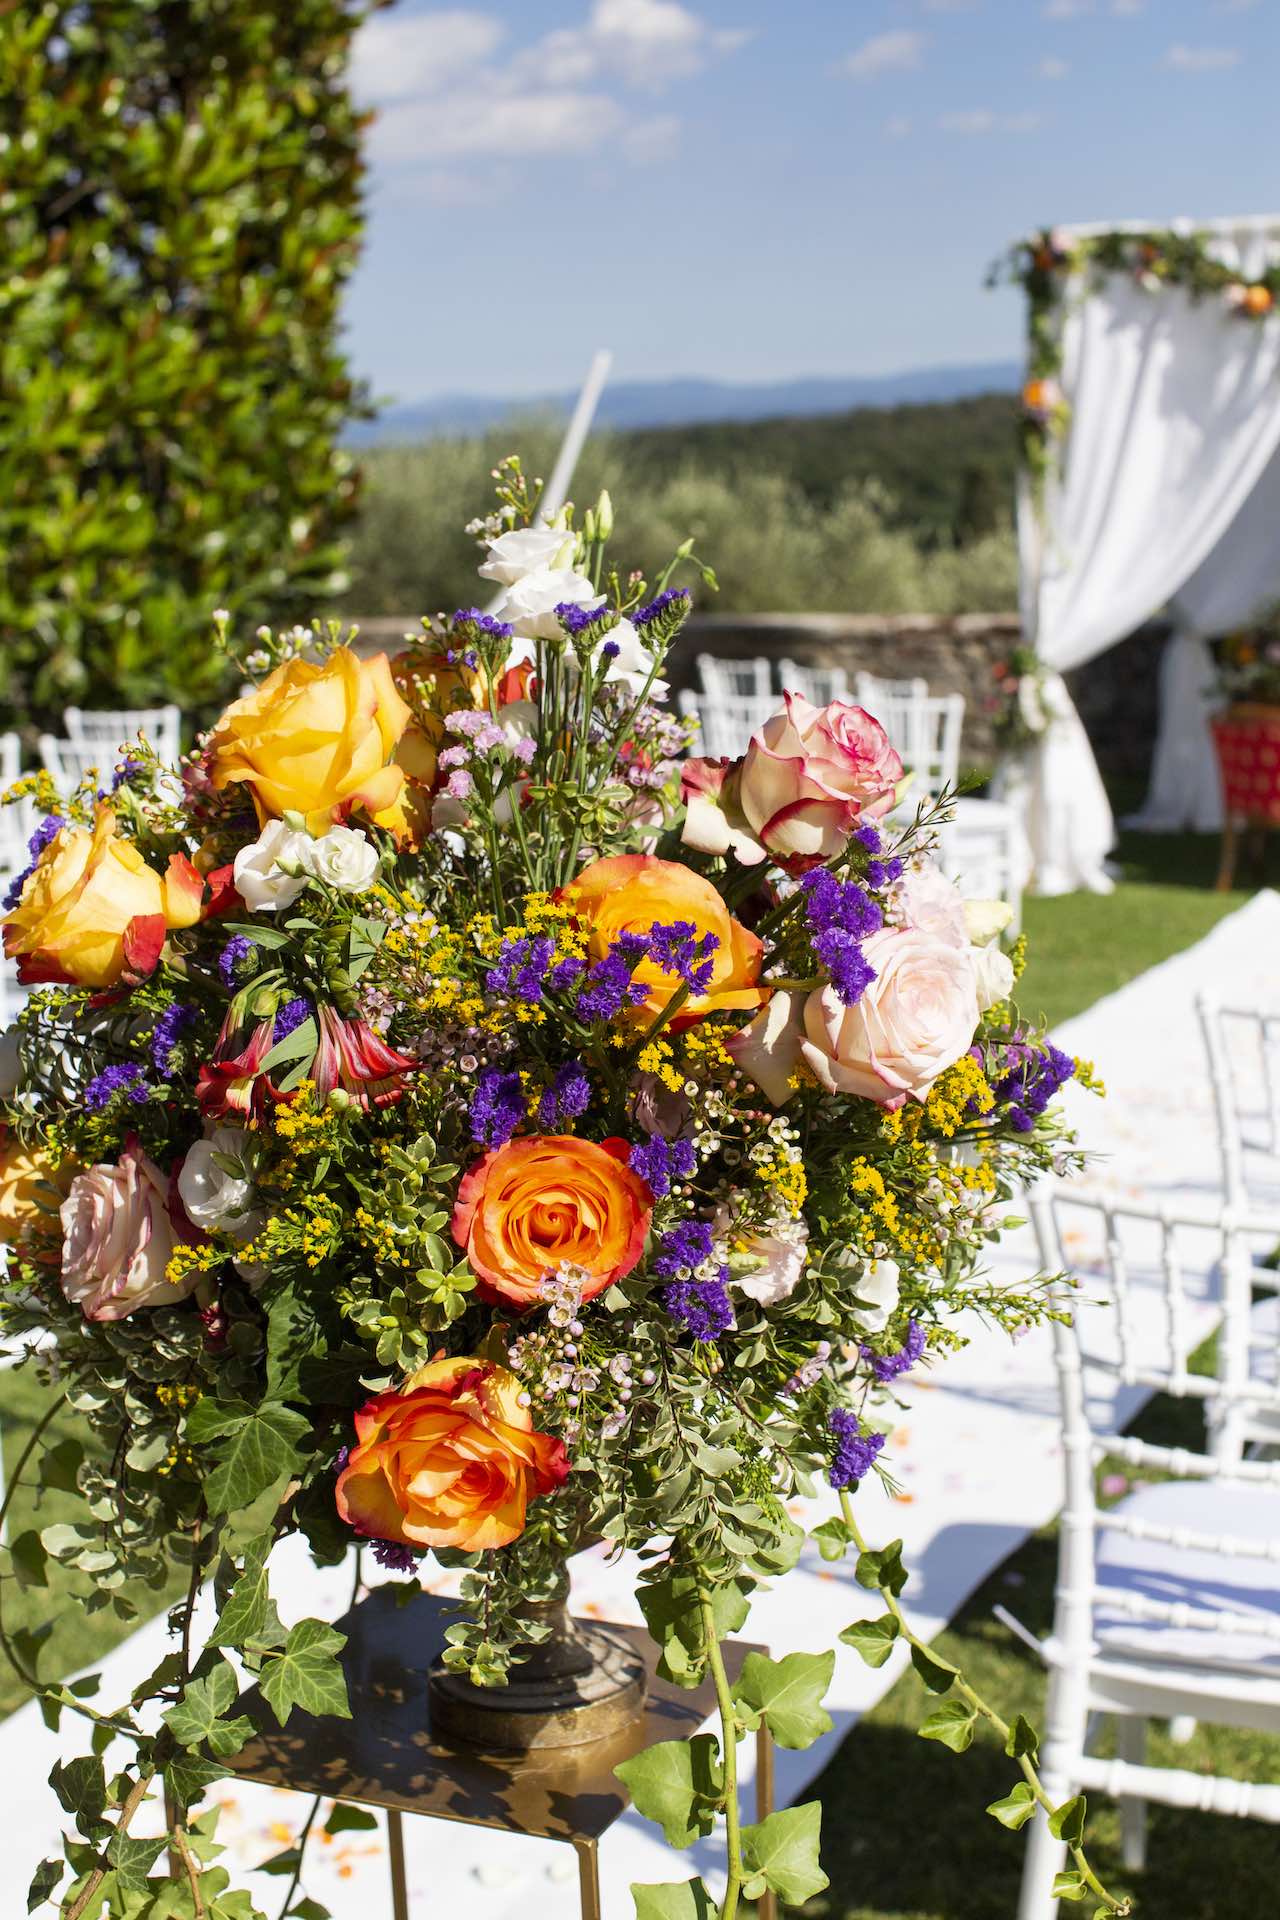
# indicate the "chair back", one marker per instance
pixel 923 727
pixel 1243 1047
pixel 736 679
pixel 821 685
pixel 10 758
pixel 110 730
pixel 983 849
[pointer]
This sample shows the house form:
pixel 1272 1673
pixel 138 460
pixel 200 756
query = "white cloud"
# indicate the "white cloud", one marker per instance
pixel 406 57
pixel 884 53
pixel 1052 69
pixel 494 125
pixel 981 120
pixel 648 43
pixel 1185 59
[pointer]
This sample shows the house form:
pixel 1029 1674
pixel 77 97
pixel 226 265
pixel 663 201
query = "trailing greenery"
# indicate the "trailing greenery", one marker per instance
pixel 181 207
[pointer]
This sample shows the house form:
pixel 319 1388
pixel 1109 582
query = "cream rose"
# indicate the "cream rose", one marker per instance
pixel 117 1237
pixel 764 1266
pixel 344 858
pixel 915 1019
pixel 270 872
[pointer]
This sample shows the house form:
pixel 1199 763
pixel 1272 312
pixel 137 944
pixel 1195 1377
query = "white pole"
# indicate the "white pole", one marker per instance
pixel 557 487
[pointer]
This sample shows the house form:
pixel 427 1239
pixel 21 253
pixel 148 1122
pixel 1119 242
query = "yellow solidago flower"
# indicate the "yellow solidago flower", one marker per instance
pixel 187 1259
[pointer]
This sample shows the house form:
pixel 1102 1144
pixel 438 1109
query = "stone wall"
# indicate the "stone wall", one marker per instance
pixel 1115 693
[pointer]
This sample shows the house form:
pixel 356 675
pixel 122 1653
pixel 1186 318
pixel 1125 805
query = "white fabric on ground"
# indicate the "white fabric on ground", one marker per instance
pixel 1175 415
pixel 975 1453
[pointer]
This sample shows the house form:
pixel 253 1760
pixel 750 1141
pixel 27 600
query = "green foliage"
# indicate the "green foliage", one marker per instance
pixel 259 1447
pixel 787 1695
pixel 676 1900
pixel 307 1674
pixel 782 1853
pixel 671 1613
pixel 872 1639
pixel 952 1723
pixel 180 211
pixel 1016 1808
pixel 679 1784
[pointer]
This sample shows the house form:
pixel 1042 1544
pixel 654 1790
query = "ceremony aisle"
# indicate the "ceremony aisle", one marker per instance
pixel 974 1453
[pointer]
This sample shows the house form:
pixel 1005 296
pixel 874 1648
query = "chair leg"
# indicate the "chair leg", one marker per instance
pixel 1066 1715
pixel 1131 1745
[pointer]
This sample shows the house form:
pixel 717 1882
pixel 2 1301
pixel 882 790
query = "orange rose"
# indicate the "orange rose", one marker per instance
pixel 32 1186
pixel 92 907
pixel 545 1199
pixel 634 892
pixel 316 740
pixel 452 1460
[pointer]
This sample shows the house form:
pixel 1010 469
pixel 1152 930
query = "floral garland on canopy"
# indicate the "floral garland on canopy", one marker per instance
pixel 450 1122
pixel 1042 266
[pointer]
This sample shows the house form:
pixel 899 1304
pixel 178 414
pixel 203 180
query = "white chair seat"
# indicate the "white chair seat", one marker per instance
pixel 1247 1588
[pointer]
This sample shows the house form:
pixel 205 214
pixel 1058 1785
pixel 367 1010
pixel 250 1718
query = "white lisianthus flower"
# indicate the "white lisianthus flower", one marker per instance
pixel 527 550
pixel 529 604
pixel 876 1289
pixel 271 872
pixel 343 858
pixel 764 1266
pixel 632 664
pixel 213 1197
pixel 993 972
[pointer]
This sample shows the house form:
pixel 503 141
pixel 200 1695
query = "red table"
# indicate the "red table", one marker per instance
pixel 1247 738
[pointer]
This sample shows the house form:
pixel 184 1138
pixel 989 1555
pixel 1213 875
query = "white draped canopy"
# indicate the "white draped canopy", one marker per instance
pixel 1163 495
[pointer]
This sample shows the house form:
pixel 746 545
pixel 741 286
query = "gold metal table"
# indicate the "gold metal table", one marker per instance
pixel 386 1756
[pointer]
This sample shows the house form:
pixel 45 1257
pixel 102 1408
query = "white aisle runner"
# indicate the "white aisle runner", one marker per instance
pixel 975 1455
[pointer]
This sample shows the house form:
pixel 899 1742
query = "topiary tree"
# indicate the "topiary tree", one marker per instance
pixel 180 205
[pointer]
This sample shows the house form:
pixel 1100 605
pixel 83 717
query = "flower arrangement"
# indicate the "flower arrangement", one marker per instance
pixel 456 1123
pixel 1248 665
pixel 1020 704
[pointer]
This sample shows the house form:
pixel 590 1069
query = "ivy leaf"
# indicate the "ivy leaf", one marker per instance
pixel 308 1909
pixel 81 1787
pixel 249 1616
pixel 882 1567
pixel 348 1819
pixel 679 1785
pixel 1016 1808
pixel 30 1561
pixel 307 1673
pixel 788 1695
pixel 198 1716
pixel 46 1878
pixel 952 1723
pixel 60 1465
pixel 782 1853
pixel 1023 1739
pixel 938 1675
pixel 1068 1886
pixel 833 1539
pixel 873 1639
pixel 1067 1821
pixel 672 1615
pixel 676 1900
pixel 188 1775
pixel 133 1859
pixel 259 1444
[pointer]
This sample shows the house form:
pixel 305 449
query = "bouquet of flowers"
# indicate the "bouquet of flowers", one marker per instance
pixel 1248 665
pixel 453 1121
pixel 1021 706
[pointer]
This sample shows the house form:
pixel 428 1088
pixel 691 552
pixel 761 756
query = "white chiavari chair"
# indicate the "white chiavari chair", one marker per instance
pixel 821 685
pixel 736 679
pixel 1243 1046
pixel 108 731
pixel 734 702
pixel 924 727
pixel 1167 1605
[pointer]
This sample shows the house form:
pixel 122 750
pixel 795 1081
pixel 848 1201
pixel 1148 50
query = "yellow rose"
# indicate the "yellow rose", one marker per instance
pixel 317 740
pixel 92 907
pixel 30 1189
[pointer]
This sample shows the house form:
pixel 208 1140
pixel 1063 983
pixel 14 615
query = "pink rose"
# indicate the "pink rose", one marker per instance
pixel 713 820
pixel 916 1018
pixel 932 904
pixel 811 773
pixel 117 1236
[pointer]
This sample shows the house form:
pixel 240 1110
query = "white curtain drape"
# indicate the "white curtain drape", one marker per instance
pixel 1175 415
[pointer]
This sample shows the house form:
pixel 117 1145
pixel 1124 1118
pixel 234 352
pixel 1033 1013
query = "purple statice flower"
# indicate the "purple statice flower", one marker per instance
pixel 883 873
pixel 672 598
pixel 855 1451
pixel 290 1017
pixel 169 1029
pixel 683 1249
pixel 568 1096
pixel 470 622
pixel 103 1088
pixel 888 1366
pixel 867 836
pixel 850 970
pixel 453 757
pixel 566 973
pixel 679 949
pixel 460 785
pixel 841 914
pixel 520 968
pixel 610 650
pixel 575 619
pixel 1028 1079
pixel 48 830
pixel 395 1556
pixel 497 1107
pixel 702 1307
pixel 525 748
pixel 234 962
pixel 609 986
pixel 125 771
pixel 659 1162
pixel 340 1459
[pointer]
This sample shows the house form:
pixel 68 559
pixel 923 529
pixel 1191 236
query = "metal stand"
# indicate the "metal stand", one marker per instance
pixel 389 1755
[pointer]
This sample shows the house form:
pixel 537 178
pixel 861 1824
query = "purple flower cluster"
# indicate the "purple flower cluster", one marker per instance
pixel 659 1162
pixel 1029 1076
pixel 568 1096
pixel 468 622
pixel 103 1088
pixel 883 873
pixel 702 1307
pixel 609 986
pixel 497 1107
pixel 124 772
pixel 855 1451
pixel 868 836
pixel 169 1029
pixel 396 1557
pixel 290 1017
pixel 48 830
pixel 888 1366
pixel 678 948
pixel 683 1249
pixel 841 914
pixel 576 619
pixel 238 961
pixel 673 597
pixel 523 969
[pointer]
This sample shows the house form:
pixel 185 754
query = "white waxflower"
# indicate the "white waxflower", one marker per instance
pixel 260 869
pixel 529 604
pixel 343 858
pixel 527 550
pixel 213 1197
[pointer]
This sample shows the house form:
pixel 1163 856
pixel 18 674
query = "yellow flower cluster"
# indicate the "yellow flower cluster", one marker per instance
pixel 1086 1076
pixel 309 1129
pixel 658 1058
pixel 313 1226
pixel 187 1259
pixel 884 1221
pixel 960 1093
pixel 706 1053
pixel 42 788
pixel 378 1235
pixel 778 1164
pixel 178 1397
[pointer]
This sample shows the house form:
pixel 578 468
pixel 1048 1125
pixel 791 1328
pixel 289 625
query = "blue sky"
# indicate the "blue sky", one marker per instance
pixel 756 189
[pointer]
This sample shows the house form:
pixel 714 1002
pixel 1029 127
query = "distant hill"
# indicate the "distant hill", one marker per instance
pixel 628 405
